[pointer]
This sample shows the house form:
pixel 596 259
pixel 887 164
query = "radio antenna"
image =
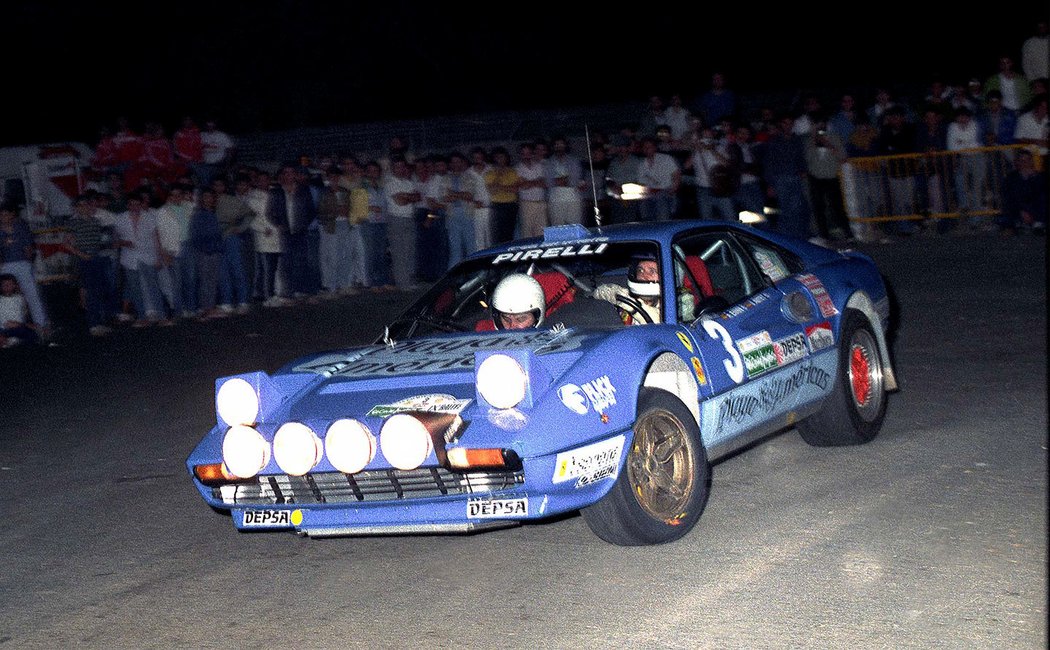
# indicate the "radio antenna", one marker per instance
pixel 594 187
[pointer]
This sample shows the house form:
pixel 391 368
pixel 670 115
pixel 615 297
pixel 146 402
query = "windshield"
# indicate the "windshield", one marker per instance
pixel 584 284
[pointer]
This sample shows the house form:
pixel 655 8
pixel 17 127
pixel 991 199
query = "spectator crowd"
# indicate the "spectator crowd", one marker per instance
pixel 176 228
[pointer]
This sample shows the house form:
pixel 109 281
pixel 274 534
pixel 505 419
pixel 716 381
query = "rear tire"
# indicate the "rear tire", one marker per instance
pixel 853 413
pixel 664 484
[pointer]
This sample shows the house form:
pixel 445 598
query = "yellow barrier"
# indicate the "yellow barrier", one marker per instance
pixel 935 185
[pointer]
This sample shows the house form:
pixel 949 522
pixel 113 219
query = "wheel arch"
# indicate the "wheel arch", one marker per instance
pixel 861 302
pixel 669 372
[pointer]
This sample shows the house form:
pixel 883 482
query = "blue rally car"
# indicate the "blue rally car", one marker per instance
pixel 636 356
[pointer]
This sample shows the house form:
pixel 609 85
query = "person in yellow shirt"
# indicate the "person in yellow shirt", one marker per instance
pixel 502 183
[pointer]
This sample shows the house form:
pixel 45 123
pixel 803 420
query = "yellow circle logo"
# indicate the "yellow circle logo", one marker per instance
pixel 297 517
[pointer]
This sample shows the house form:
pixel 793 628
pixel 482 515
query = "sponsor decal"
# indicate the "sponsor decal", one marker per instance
pixel 759 402
pixel 433 403
pixel 820 336
pixel 686 343
pixel 551 252
pixel 497 508
pixel 769 266
pixel 589 464
pixel 790 349
pixel 599 393
pixel 435 355
pixel 267 518
pixel 820 294
pixel 758 354
pixel 750 303
pixel 699 370
pixel 572 397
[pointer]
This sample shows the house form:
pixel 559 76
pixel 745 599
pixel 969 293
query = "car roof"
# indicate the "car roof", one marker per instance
pixel 658 230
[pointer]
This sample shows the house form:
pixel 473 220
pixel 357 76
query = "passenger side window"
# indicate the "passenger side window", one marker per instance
pixel 712 272
pixel 776 263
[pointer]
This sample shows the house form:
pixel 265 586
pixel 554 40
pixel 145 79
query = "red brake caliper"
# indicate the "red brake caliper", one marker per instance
pixel 858 364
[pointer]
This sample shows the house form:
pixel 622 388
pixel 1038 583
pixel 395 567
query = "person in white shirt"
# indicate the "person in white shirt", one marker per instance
pixel 479 166
pixel 14 314
pixel 964 137
pixel 660 174
pixel 218 148
pixel 268 242
pixel 402 197
pixel 1035 53
pixel 1031 126
pixel 532 193
pixel 170 226
pixel 564 181
pixel 136 232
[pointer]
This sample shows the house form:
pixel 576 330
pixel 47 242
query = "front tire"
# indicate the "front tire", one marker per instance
pixel 663 487
pixel 853 413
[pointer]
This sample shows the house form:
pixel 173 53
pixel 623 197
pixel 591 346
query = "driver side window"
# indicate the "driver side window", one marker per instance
pixel 711 273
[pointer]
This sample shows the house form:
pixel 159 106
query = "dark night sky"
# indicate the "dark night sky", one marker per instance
pixel 71 68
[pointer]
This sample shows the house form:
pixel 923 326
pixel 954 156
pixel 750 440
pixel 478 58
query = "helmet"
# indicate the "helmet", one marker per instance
pixel 637 286
pixel 517 294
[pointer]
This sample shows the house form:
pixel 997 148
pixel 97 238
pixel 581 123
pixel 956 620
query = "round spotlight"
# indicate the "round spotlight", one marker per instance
pixel 244 451
pixel 405 441
pixel 502 381
pixel 296 448
pixel 349 445
pixel 237 402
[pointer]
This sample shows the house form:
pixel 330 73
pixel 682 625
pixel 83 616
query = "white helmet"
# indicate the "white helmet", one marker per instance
pixel 517 294
pixel 639 287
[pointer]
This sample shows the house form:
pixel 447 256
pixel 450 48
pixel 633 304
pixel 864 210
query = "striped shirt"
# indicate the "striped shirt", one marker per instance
pixel 89 237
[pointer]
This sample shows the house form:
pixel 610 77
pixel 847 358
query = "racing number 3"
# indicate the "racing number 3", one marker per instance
pixel 734 364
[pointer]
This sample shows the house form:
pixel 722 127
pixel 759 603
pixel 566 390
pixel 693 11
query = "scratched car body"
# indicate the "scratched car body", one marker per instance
pixel 447 424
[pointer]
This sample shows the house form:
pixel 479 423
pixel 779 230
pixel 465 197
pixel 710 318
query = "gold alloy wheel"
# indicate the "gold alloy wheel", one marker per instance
pixel 660 466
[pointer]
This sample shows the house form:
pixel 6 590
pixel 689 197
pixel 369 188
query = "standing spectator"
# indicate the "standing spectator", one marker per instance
pixel 129 149
pixel 17 251
pixel 679 119
pixel 502 183
pixel 172 228
pixel 206 243
pixel 1035 54
pixel 931 137
pixel 709 158
pixel 1032 127
pixel 660 174
pixel 596 203
pixel 654 115
pixel 431 238
pixel 235 218
pixel 563 184
pixel 783 163
pixel 996 122
pixel 291 207
pixel 333 218
pixel 217 152
pixel 623 169
pixel 479 166
pixel 189 149
pixel 268 242
pixel 136 230
pixel 460 199
pixel 812 110
pixel 402 198
pixel 105 158
pixel 884 101
pixel 841 123
pixel 1014 87
pixel 353 183
pixel 717 102
pixel 157 160
pixel 1024 197
pixel 825 153
pixel 377 242
pixel 964 137
pixel 749 195
pixel 89 239
pixel 14 329
pixel 897 137
pixel 532 192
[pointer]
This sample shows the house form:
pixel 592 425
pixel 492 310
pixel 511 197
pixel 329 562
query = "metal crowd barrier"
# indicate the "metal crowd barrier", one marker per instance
pixel 934 185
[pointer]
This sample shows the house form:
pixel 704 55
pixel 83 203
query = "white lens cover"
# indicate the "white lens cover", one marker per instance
pixel 502 381
pixel 349 445
pixel 237 402
pixel 405 441
pixel 296 448
pixel 244 451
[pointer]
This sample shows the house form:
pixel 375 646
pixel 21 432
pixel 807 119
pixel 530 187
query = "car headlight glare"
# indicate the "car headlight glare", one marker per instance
pixel 502 381
pixel 405 441
pixel 349 445
pixel 296 448
pixel 245 451
pixel 237 402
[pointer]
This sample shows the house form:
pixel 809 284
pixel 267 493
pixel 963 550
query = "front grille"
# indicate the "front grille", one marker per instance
pixel 363 487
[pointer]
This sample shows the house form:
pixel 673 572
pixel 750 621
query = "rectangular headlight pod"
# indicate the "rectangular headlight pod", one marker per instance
pixel 465 458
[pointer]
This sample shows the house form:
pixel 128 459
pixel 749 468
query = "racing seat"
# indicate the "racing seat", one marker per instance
pixel 703 278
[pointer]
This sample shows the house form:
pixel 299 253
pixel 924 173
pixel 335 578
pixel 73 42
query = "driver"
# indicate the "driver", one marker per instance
pixel 517 303
pixel 639 303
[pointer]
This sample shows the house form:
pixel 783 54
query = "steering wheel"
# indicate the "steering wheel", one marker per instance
pixel 634 307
